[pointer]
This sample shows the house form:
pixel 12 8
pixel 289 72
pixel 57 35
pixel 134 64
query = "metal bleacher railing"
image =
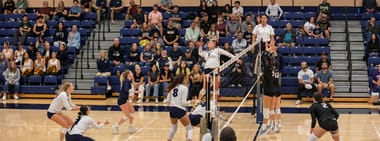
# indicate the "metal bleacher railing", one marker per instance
pixel 348 47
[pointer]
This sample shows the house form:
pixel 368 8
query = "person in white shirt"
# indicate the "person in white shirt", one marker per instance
pixel 63 100
pixel 238 10
pixel 263 33
pixel 273 11
pixel 305 80
pixel 83 123
pixel 239 44
pixel 177 97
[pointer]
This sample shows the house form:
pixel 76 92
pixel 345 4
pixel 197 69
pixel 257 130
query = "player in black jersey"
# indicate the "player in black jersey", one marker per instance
pixel 271 84
pixel 327 119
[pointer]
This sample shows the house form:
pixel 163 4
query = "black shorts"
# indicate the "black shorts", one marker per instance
pixel 329 125
pixel 274 92
pixel 176 112
pixel 209 70
pixel 195 119
pixel 77 137
pixel 49 115
pixel 122 100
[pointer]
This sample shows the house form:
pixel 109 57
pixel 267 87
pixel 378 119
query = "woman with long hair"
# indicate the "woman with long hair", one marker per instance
pixel 83 123
pixel 4 63
pixel 61 32
pixel 12 77
pixel 18 53
pixel 177 97
pixel 7 51
pixel 138 85
pixel 153 81
pixel 26 65
pixel 60 12
pixel 327 119
pixel 213 34
pixel 54 64
pixel 195 82
pixel 62 100
pixel 39 65
pixel 39 27
pixel 126 107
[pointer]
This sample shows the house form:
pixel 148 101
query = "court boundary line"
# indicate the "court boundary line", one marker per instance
pixel 138 131
pixel 376 129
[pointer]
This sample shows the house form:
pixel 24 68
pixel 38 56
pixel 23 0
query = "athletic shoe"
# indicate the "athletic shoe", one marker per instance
pixel 264 131
pixel 139 101
pixel 109 88
pixel 4 98
pixel 298 102
pixel 132 129
pixel 277 129
pixel 115 129
pixel 164 101
pixel 15 97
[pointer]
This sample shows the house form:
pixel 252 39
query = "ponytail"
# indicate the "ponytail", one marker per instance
pixel 83 111
pixel 177 80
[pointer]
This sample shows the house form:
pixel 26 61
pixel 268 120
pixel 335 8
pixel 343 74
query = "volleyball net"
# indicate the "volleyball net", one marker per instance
pixel 237 80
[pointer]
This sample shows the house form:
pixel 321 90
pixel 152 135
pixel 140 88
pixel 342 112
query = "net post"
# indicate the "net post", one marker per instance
pixel 208 117
pixel 259 110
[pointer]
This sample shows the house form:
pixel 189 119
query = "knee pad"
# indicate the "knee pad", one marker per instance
pixel 272 112
pixel 172 131
pixel 189 130
pixel 64 130
pixel 312 137
pixel 278 111
pixel 266 113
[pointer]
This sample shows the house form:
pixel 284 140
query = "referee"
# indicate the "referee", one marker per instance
pixel 327 119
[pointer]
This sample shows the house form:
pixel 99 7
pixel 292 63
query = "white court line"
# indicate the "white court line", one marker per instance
pixel 146 125
pixel 376 130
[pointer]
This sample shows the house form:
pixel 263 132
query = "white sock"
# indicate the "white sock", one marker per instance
pixel 172 131
pixel 312 137
pixel 189 130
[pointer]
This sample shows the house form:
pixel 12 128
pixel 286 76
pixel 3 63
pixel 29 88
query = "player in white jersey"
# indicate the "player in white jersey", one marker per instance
pixel 212 58
pixel 63 100
pixel 177 97
pixel 83 123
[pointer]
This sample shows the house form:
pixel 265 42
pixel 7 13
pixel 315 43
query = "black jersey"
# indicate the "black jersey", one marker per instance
pixel 271 74
pixel 322 112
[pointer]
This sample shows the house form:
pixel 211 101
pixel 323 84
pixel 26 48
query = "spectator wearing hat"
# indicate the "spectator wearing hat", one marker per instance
pixel 189 59
pixel 324 9
pixel 324 59
pixel 155 19
pixel 116 6
pixel 305 81
pixel 24 30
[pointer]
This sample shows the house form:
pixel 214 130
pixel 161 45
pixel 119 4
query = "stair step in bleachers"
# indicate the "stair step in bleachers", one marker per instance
pixel 342 89
pixel 359 89
pixel 341 77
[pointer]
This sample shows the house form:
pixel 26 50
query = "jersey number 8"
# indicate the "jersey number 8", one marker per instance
pixel 175 92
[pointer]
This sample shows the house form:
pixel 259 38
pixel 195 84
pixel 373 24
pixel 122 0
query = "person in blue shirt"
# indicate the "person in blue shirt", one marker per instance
pixel 75 11
pixel 325 80
pixel 116 6
pixel 100 6
pixel 73 39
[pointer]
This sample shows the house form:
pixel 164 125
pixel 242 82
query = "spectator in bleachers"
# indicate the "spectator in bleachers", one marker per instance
pixel 47 51
pixel 233 26
pixel 40 44
pixel 39 27
pixel 133 56
pixel 205 26
pixel 237 73
pixel 4 63
pixel 239 44
pixel 221 27
pixel 75 11
pixel 147 56
pixel 26 65
pixel 54 64
pixel 324 59
pixel 376 81
pixel 183 69
pixel 153 82
pixel 273 11
pixel 7 51
pixel 194 50
pixel 164 59
pixel 155 19
pixel 324 9
pixel 226 11
pixel 166 5
pixel 139 18
pixel 120 68
pixel 238 10
pixel 197 21
pixel 60 13
pixel 300 32
pixel 103 66
pixel 171 34
pixel 12 76
pixel 157 51
pixel 317 32
pixel 63 55
pixel 86 5
pixel 371 27
pixel 202 9
pixel 176 54
pixel 132 10
pixel 21 6
pixel 373 46
pixel 9 7
pixel 60 32
pixel 145 35
pixel 176 17
pixel 166 77
pixel 226 47
pixel 157 40
pixel 100 6
pixel 288 38
pixel 116 6
pixel 248 34
pixel 115 53
pixel 309 26
pixel 305 81
pixel 32 51
pixel 369 6
pixel 138 83
pixel 58 42
pixel 325 80
pixel 325 26
pixel 18 53
pixel 195 82
pixel 39 65
pixel 192 33
pixel 213 34
pixel 244 25
pixel 23 31
pixel 227 134
pixel 189 59
pixel 73 39
pixel 45 11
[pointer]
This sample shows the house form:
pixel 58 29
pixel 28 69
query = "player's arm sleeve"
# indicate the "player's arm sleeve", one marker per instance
pixel 224 52
pixel 313 116
pixel 184 93
pixel 334 111
pixel 66 102
pixel 93 124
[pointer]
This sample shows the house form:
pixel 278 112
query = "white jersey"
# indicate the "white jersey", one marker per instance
pixel 84 124
pixel 60 102
pixel 263 33
pixel 212 57
pixel 178 96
